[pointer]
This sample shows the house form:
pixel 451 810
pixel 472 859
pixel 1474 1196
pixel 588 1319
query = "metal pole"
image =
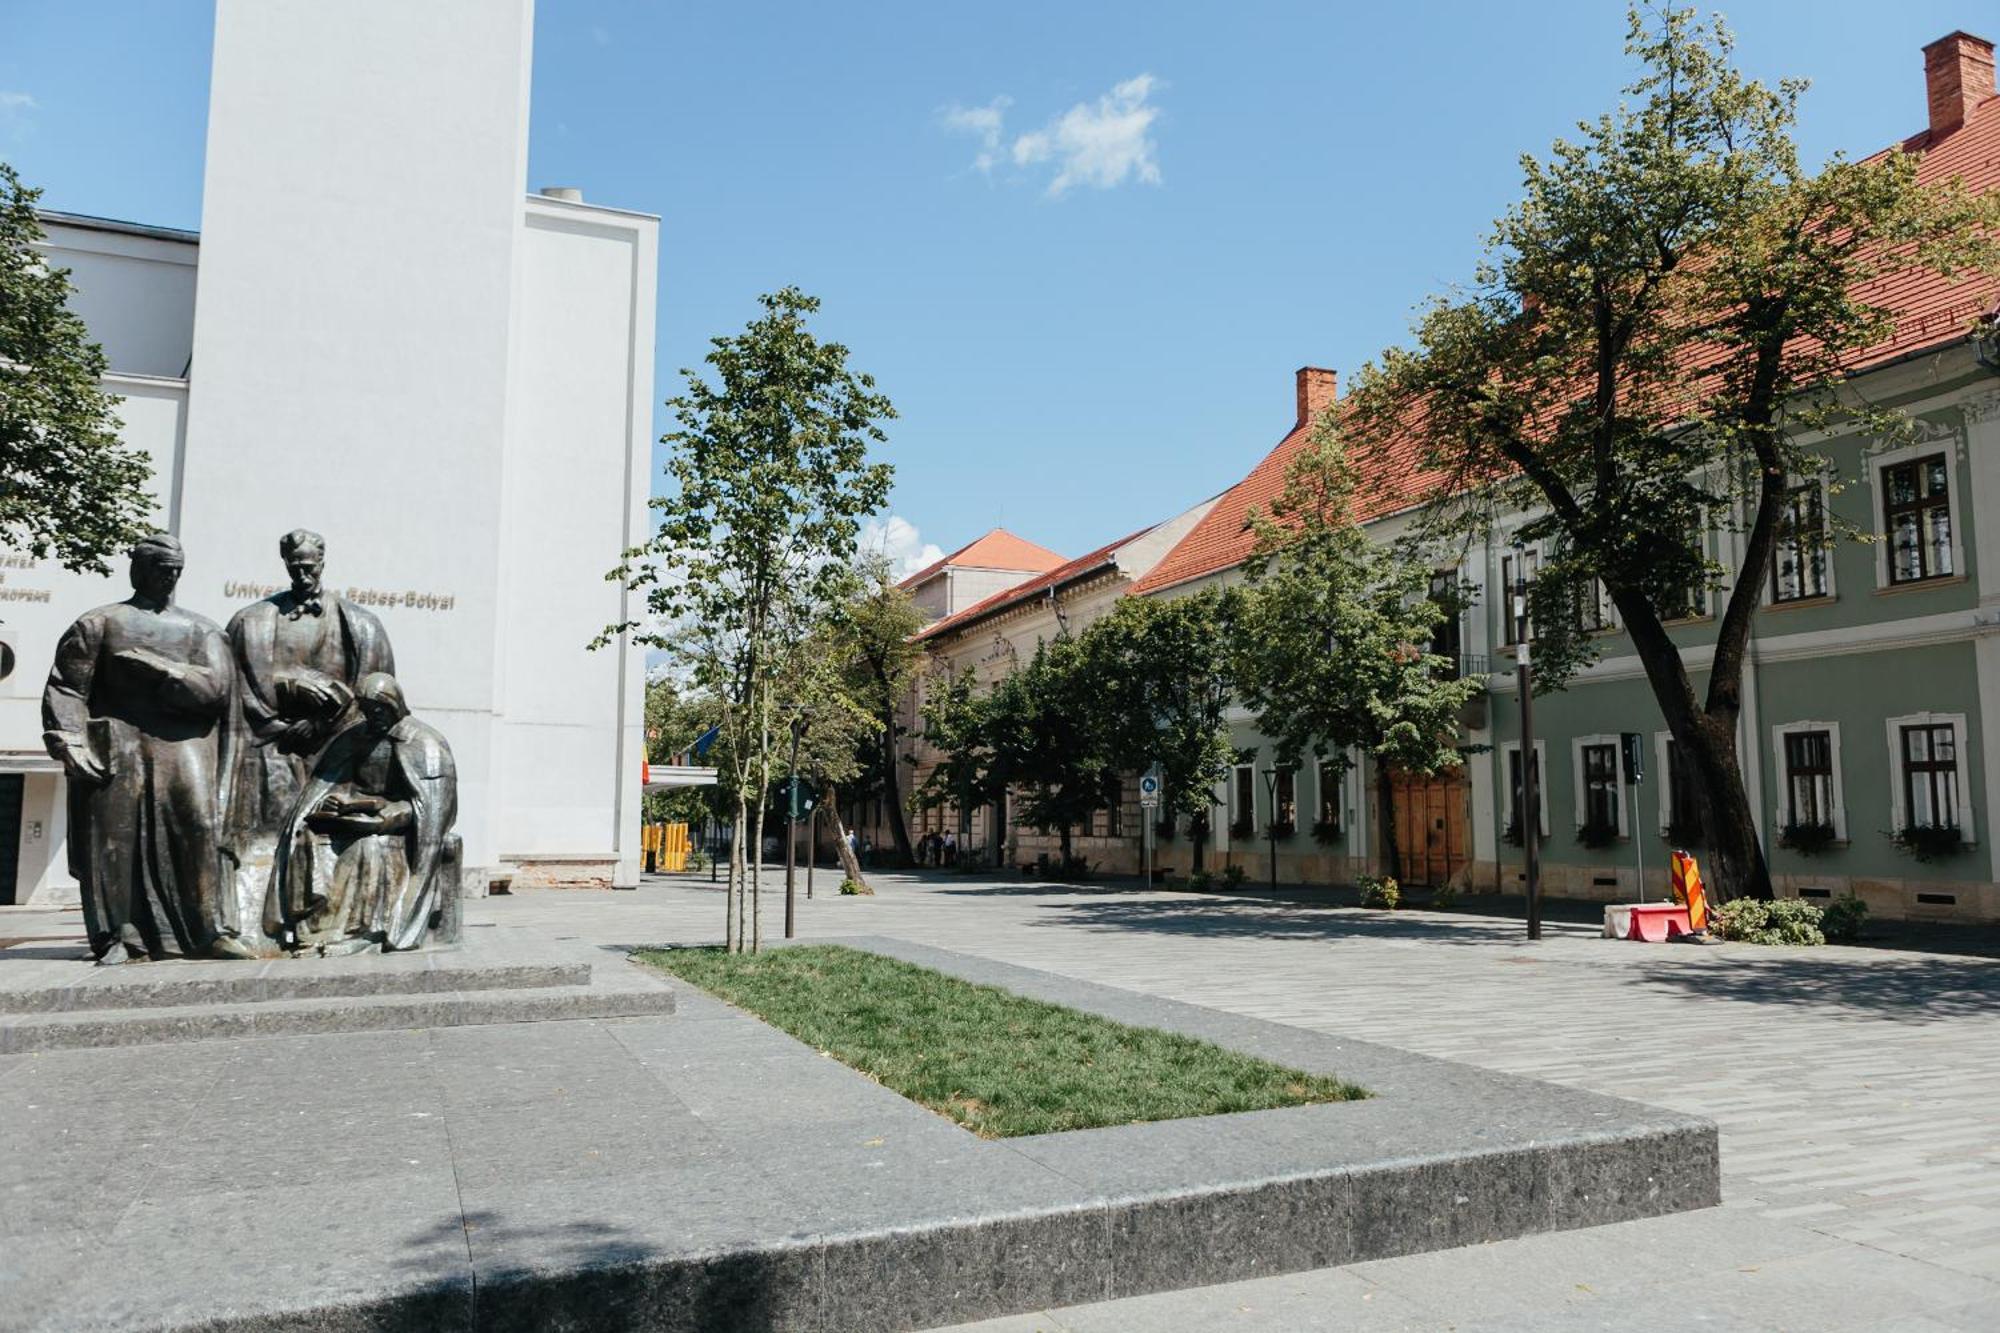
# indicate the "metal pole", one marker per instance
pixel 1531 784
pixel 1639 840
pixel 792 827
pixel 812 849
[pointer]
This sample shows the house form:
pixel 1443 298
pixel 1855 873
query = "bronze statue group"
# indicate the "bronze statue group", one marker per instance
pixel 249 791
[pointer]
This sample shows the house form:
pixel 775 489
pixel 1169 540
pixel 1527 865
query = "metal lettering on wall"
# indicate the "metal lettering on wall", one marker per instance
pixel 410 598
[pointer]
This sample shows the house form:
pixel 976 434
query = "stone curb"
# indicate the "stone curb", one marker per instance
pixel 286 980
pixel 1441 1155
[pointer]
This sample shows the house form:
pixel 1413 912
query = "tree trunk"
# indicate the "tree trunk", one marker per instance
pixel 899 829
pixel 849 865
pixel 1385 795
pixel 733 927
pixel 1707 740
pixel 1736 868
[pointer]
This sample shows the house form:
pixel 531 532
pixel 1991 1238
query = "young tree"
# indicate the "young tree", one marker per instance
pixel 1332 632
pixel 1163 668
pixel 70 488
pixel 1662 322
pixel 772 478
pixel 876 640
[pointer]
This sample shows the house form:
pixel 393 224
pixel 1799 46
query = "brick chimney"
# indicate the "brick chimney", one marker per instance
pixel 1958 76
pixel 1316 392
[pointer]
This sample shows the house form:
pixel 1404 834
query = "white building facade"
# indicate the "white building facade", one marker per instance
pixel 379 335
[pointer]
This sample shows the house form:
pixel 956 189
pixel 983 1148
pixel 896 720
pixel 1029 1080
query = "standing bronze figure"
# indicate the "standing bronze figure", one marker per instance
pixel 298 656
pixel 133 710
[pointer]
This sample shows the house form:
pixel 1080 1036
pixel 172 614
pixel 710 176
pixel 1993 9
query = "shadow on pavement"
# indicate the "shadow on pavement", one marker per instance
pixel 1906 990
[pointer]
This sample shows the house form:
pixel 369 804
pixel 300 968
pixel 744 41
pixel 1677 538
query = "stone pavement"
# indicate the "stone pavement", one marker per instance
pixel 1858 1091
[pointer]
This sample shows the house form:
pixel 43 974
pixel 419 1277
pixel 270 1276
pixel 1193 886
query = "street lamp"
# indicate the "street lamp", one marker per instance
pixel 1531 812
pixel 1271 828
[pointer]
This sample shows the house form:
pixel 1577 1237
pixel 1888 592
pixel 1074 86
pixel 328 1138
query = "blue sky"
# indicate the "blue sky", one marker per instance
pixel 1082 246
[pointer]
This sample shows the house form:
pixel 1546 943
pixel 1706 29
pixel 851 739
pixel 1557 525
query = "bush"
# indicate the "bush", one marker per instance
pixel 1233 876
pixel 1445 899
pixel 1200 881
pixel 1930 842
pixel 1327 832
pixel 1841 919
pixel 1753 921
pixel 1379 891
pixel 853 887
pixel 697 862
pixel 1807 839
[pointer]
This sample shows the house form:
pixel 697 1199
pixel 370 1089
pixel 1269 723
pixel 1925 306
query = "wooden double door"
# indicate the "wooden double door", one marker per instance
pixel 1433 824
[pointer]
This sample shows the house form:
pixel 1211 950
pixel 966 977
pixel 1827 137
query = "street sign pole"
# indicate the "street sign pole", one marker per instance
pixel 1149 803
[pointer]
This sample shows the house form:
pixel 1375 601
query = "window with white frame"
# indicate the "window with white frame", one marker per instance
pixel 1243 799
pixel 1510 763
pixel 1680 793
pixel 1916 518
pixel 1927 752
pixel 1597 783
pixel 1808 759
pixel 1329 794
pixel 1799 565
pixel 1285 797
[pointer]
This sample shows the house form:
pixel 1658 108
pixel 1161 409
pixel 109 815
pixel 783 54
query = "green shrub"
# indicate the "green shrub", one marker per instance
pixel 697 862
pixel 1807 839
pixel 1930 842
pixel 1785 921
pixel 1841 919
pixel 1233 876
pixel 1446 898
pixel 853 887
pixel 1200 881
pixel 1379 891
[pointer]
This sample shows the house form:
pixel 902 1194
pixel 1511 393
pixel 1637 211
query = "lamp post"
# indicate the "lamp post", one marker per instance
pixel 1531 778
pixel 1271 828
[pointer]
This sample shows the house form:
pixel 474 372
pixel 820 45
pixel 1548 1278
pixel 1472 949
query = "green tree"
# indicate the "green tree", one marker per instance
pixel 876 640
pixel 69 486
pixel 1662 323
pixel 771 472
pixel 825 701
pixel 1043 733
pixel 1164 670
pixel 1331 636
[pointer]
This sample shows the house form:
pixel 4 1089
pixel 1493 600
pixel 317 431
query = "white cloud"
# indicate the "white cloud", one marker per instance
pixel 985 122
pixel 1101 144
pixel 897 539
pixel 14 108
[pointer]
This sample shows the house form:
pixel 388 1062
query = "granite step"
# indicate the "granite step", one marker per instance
pixel 70 1029
pixel 161 985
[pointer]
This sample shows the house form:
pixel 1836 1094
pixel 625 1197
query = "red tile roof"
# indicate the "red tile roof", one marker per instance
pixel 1933 309
pixel 998 549
pixel 1103 557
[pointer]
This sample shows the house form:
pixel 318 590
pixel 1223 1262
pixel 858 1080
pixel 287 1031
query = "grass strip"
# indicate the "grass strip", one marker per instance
pixel 999 1064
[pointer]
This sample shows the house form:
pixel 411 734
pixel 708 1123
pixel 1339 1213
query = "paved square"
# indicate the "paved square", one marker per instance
pixel 1858 1092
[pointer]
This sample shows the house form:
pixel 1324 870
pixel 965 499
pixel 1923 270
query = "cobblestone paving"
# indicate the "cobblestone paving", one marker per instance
pixel 1858 1093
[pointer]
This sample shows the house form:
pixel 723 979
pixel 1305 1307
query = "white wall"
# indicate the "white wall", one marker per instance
pixel 134 290
pixel 576 481
pixel 360 226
